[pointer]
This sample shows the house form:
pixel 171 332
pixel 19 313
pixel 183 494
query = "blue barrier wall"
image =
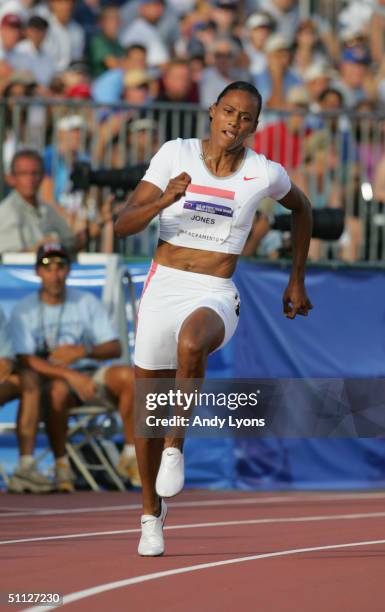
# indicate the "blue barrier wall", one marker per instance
pixel 343 336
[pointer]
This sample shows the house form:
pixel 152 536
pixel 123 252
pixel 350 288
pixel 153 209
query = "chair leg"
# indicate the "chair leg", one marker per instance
pixel 106 464
pixel 82 468
pixel 4 475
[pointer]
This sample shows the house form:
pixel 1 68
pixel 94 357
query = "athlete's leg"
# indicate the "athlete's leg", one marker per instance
pixel 202 332
pixel 149 451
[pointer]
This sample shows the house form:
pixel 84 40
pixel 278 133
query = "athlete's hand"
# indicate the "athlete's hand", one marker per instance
pixel 175 189
pixel 295 300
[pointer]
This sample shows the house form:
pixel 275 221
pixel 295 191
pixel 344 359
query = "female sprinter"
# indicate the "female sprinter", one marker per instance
pixel 206 194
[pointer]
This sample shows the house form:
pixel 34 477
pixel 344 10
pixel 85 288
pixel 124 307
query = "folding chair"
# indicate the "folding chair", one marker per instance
pixel 84 431
pixel 84 423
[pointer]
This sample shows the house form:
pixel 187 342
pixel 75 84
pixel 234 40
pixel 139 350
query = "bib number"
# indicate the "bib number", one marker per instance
pixel 209 222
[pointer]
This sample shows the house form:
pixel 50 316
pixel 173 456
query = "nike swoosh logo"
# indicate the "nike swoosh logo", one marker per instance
pixel 249 178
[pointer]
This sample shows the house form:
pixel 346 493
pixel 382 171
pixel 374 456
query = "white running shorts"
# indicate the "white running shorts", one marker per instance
pixel 169 297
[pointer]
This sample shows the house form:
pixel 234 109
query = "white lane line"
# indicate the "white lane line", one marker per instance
pixel 283 498
pixel 111 586
pixel 260 521
pixel 187 504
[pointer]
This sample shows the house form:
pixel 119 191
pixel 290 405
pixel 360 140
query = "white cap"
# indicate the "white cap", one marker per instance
pixel 298 95
pixel 73 122
pixel 259 20
pixel 316 71
pixel 351 33
pixel 276 42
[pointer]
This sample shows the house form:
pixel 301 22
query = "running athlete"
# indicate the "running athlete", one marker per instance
pixel 206 194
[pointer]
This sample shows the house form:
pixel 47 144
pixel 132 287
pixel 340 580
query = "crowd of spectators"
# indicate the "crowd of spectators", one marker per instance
pixel 91 70
pixel 138 52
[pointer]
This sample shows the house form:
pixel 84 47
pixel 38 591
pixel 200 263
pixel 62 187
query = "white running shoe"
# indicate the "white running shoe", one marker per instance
pixel 151 543
pixel 170 478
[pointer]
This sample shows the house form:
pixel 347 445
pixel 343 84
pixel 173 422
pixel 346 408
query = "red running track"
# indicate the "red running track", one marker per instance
pixel 276 552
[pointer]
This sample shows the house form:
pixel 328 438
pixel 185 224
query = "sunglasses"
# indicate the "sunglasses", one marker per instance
pixel 46 261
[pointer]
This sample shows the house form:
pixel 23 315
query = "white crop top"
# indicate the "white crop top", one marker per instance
pixel 217 213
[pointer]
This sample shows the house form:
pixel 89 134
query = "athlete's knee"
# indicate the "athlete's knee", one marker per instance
pixel 192 349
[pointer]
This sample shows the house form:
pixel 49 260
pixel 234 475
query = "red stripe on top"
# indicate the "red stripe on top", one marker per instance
pixel 213 191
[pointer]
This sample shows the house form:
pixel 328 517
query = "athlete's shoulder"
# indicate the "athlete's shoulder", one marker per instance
pixel 170 148
pixel 256 161
pixel 255 157
pixel 272 168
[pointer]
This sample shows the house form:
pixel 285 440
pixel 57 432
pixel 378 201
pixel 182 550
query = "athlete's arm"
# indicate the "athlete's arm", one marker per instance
pixel 295 300
pixel 147 201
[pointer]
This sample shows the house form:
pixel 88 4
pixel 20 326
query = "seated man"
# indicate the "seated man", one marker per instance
pixel 62 334
pixel 14 384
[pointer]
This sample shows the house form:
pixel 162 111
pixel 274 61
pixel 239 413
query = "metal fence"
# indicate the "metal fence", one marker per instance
pixel 334 158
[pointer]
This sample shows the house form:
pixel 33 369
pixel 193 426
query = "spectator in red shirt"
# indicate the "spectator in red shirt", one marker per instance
pixel 282 141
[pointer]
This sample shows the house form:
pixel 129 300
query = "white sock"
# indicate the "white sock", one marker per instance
pixel 26 461
pixel 129 451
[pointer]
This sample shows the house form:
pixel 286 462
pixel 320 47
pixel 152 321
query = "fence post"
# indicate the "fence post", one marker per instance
pixel 2 141
pixel 305 8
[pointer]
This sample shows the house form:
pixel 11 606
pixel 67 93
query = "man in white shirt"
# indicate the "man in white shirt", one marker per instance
pixel 65 39
pixel 144 30
pixel 40 63
pixel 258 27
pixel 223 70
pixel 10 34
pixel 168 23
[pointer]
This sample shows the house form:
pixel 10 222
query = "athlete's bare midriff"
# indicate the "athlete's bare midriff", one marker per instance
pixel 196 260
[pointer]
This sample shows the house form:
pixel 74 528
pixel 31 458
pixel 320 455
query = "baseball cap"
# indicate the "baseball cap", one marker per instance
pixel 225 4
pixel 356 55
pixel 12 21
pixel 52 251
pixel 139 125
pixel 276 42
pixel 259 20
pixel 37 22
pixel 72 122
pixel 316 71
pixel 136 78
pixel 298 95
pixel 195 48
pixel 81 90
